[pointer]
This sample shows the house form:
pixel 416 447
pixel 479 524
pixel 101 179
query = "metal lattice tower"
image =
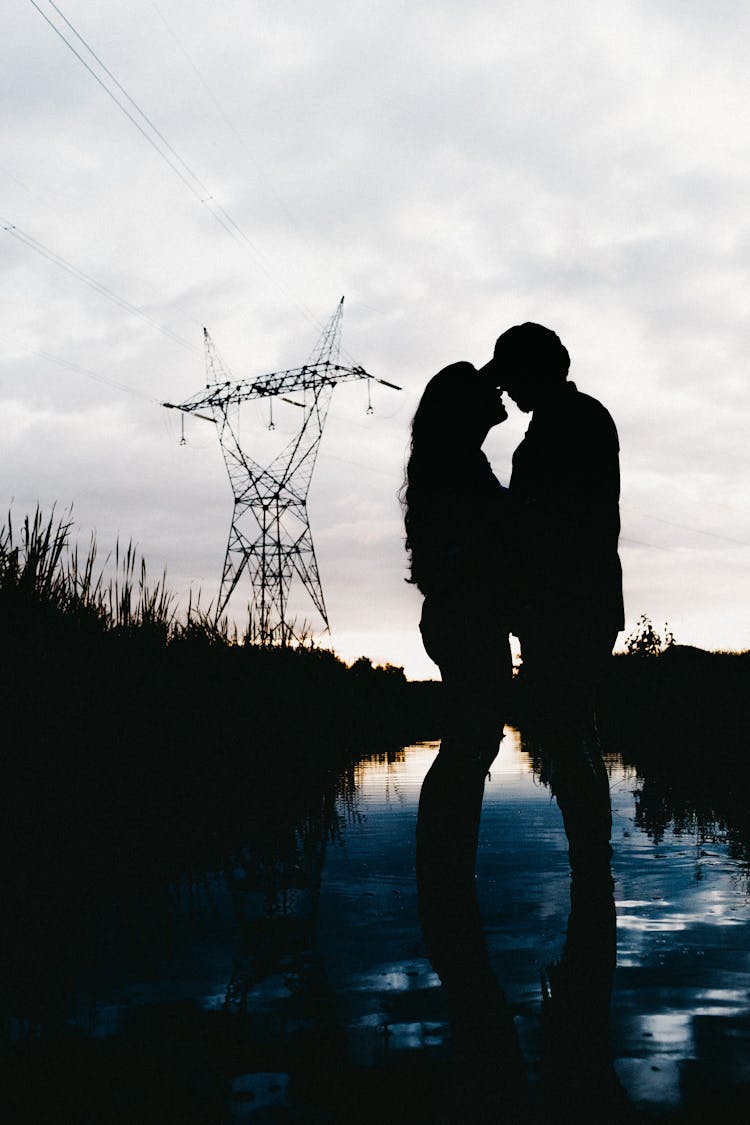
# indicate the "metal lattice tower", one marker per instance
pixel 270 533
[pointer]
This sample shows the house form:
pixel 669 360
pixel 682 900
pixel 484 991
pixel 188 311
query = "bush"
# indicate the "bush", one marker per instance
pixel 645 641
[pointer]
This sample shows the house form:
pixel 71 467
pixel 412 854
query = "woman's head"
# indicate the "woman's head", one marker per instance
pixel 458 406
pixel 457 409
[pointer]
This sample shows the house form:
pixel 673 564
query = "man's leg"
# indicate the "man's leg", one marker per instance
pixel 577 1072
pixel 562 678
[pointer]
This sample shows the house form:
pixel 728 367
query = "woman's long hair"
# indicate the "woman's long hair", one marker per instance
pixel 442 414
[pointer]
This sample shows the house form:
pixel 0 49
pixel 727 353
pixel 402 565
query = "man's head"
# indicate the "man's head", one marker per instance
pixel 530 363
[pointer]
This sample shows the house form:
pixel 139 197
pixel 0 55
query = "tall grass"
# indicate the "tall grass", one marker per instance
pixel 42 571
pixel 31 561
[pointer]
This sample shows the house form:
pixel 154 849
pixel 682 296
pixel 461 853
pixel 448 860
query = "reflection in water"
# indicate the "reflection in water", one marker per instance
pixel 683 926
pixel 489 1072
pixel 578 1077
pixel 288 979
pixel 576 1070
pixel 577 1074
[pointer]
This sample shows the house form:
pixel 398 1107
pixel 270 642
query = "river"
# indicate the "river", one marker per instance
pixel 276 972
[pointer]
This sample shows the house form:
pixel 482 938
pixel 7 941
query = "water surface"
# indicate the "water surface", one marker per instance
pixel 274 975
pixel 681 1003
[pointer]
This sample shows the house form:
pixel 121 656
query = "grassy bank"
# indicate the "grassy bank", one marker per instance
pixel 140 745
pixel 680 716
pixel 110 668
pixel 682 719
pixel 128 722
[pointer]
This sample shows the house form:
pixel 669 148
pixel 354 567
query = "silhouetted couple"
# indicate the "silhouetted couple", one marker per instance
pixel 538 559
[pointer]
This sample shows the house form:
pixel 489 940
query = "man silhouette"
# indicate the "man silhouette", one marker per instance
pixel 565 490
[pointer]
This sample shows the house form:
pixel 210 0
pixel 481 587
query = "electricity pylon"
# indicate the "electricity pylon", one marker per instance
pixel 270 534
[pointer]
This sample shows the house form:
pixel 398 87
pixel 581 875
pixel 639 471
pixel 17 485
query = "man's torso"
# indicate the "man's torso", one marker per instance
pixel 565 488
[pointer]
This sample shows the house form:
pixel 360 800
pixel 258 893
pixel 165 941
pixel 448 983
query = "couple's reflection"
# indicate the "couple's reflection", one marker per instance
pixel 577 1081
pixel 576 1074
pixel 488 1071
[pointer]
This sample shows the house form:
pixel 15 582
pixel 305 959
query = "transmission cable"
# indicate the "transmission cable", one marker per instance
pixel 249 153
pixel 194 185
pixel 169 154
pixel 95 375
pixel 687 527
pixel 97 286
pixel 225 117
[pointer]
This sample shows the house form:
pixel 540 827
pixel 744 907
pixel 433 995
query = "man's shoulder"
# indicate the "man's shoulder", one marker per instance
pixel 589 412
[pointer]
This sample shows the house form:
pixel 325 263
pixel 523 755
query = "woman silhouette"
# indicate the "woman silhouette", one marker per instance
pixel 456 530
pixel 457 535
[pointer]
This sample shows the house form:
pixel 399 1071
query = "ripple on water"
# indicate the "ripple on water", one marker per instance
pixel 683 920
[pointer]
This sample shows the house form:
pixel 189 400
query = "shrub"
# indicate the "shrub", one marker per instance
pixel 645 641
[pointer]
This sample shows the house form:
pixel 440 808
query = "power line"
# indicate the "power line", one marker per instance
pixel 110 94
pixel 95 375
pixel 188 177
pixel 123 91
pixel 687 527
pixel 97 286
pixel 224 115
pixel 258 166
pixel 660 519
pixel 359 465
pixel 169 154
pixel 642 543
pixel 714 502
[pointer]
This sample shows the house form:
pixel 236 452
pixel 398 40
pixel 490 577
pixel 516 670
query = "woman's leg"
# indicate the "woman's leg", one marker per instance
pixel 450 806
pixel 489 1075
pixel 476 672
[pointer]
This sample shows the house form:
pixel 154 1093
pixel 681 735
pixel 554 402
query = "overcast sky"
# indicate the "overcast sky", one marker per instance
pixel 452 169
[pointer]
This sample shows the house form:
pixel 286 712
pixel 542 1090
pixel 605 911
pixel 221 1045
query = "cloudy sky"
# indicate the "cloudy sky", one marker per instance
pixel 452 169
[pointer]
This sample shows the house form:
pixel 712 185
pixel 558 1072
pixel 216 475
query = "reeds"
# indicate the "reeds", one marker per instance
pixel 42 572
pixel 32 567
